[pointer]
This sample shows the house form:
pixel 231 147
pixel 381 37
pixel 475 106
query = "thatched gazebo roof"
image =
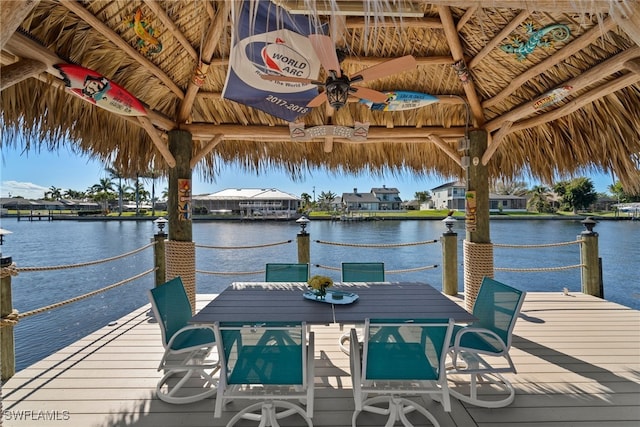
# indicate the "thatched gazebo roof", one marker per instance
pixel 568 107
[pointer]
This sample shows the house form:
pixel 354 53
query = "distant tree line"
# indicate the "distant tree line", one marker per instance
pixel 115 187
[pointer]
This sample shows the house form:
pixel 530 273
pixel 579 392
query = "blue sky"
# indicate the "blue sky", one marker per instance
pixel 30 175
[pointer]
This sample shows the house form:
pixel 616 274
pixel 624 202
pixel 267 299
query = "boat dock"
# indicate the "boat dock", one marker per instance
pixel 578 361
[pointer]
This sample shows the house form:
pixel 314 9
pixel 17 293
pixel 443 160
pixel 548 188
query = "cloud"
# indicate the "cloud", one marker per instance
pixel 27 190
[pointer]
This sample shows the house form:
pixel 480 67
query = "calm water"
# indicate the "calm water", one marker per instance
pixel 68 242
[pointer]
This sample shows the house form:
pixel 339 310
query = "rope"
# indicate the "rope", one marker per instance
pixel 10 319
pixel 379 245
pixel 180 260
pixel 406 270
pixel 9 270
pixel 230 273
pixel 478 262
pixel 244 247
pixel 84 264
pixel 543 245
pixel 523 270
pixel 87 295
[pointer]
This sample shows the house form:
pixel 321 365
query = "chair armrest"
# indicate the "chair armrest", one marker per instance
pixel 355 358
pixel 480 332
pixel 189 328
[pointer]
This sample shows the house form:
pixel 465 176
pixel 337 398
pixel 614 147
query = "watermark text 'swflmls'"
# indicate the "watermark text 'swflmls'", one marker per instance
pixel 37 415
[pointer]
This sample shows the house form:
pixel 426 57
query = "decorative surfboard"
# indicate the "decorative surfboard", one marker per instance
pixel 99 90
pixel 401 100
pixel 552 97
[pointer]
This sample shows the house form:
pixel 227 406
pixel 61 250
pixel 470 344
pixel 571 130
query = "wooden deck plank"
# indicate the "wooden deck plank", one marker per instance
pixel 577 356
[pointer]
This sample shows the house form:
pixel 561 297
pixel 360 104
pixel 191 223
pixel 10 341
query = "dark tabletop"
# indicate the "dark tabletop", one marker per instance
pixel 267 302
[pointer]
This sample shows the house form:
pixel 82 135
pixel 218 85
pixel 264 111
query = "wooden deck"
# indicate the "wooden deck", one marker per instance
pixel 578 361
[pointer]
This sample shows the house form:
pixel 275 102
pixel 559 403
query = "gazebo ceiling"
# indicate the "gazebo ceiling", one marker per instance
pixel 556 84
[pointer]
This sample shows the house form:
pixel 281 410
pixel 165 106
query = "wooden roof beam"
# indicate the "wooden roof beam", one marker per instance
pixel 495 141
pixel 503 34
pixel 172 27
pixel 12 13
pixel 206 131
pixel 458 54
pixel 24 47
pixel 442 99
pixel 162 146
pixel 19 71
pixel 211 40
pixel 589 77
pixel 633 65
pixel 575 46
pixel 446 148
pixel 210 146
pixel 361 22
pixel 556 6
pixel 465 18
pixel 597 93
pixel 112 36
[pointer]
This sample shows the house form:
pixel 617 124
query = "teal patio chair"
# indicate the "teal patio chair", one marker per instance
pixel 359 272
pixel 270 362
pixel 187 359
pixel 284 272
pixel 474 347
pixel 400 358
pixel 363 271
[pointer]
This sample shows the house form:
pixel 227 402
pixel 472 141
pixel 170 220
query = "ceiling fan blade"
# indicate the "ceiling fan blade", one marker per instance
pixel 369 94
pixel 318 100
pixel 276 78
pixel 326 51
pixel 393 66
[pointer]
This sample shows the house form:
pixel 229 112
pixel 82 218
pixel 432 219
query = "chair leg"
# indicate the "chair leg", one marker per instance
pixel 269 414
pixel 398 409
pixel 480 372
pixel 171 393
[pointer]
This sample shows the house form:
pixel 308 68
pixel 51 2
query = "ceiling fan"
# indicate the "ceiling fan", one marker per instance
pixel 338 86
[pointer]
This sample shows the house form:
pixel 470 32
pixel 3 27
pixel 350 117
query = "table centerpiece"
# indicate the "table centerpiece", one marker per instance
pixel 319 285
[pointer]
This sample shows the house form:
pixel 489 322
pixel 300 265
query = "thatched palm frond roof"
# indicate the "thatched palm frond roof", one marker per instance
pixel 596 127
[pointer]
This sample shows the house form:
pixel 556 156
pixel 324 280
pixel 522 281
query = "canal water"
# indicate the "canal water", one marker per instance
pixel 58 243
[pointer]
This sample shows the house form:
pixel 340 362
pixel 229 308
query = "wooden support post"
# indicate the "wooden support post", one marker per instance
pixel 450 263
pixel 179 203
pixel 591 277
pixel 478 251
pixel 304 251
pixel 7 344
pixel 180 249
pixel 159 258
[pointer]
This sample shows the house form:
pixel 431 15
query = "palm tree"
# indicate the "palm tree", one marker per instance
pixel 54 193
pixel 102 192
pixel 306 201
pixel 74 195
pixel 115 173
pixel 539 200
pixel 152 174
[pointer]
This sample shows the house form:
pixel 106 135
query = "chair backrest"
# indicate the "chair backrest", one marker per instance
pixel 497 307
pixel 270 353
pixel 283 272
pixel 405 349
pixel 363 271
pixel 171 307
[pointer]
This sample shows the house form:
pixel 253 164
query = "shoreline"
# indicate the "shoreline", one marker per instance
pixel 230 218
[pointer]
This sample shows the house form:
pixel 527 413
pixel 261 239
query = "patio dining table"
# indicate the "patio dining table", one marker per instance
pixel 281 301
